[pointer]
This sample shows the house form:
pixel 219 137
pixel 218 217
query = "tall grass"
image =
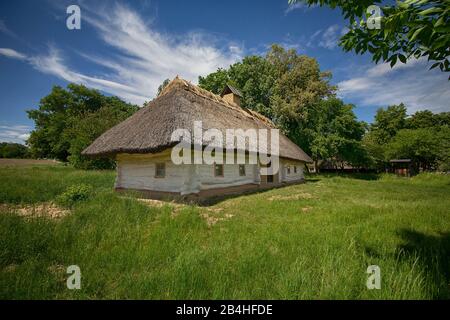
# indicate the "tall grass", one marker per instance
pixel 309 241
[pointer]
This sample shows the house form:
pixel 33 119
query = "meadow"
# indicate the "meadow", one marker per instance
pixel 308 241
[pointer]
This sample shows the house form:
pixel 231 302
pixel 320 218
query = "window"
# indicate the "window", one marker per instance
pixel 160 170
pixel 218 170
pixel 270 178
pixel 288 169
pixel 242 170
pixel 295 169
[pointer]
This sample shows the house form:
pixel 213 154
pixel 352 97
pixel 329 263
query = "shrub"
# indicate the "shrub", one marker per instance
pixel 74 194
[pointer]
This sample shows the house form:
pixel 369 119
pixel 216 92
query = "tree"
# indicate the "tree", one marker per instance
pixel 283 85
pixel 425 147
pixel 374 151
pixel 162 86
pixel 335 134
pixel 62 111
pixel 84 129
pixel 418 28
pixel 254 76
pixel 292 91
pixel 388 122
pixel 443 118
pixel 300 86
pixel 427 119
pixel 13 150
pixel 214 82
pixel 420 137
pixel 421 119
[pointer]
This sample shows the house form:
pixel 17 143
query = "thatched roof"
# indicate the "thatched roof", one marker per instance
pixel 180 104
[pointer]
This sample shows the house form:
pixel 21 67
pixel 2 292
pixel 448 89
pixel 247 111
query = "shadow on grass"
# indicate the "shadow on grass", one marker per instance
pixel 220 198
pixel 433 253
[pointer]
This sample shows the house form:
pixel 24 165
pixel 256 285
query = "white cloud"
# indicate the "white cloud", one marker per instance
pixel 411 83
pixel 10 53
pixel 327 38
pixel 14 133
pixel 330 37
pixel 52 63
pixel 296 6
pixel 4 29
pixel 145 57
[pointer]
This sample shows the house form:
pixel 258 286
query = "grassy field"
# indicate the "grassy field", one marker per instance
pixel 308 241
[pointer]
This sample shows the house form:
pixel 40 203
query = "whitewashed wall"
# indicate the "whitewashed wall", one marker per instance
pixel 230 177
pixel 137 171
pixel 292 176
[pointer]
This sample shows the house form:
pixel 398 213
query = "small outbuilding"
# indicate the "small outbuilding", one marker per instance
pixel 402 167
pixel 142 146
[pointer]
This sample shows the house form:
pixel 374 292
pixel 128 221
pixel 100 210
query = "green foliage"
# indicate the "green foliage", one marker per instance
pixel 85 128
pixel 307 241
pixel 74 194
pixel 411 28
pixel 388 122
pixel 374 150
pixel 428 119
pixel 291 90
pixel 423 137
pixel 35 184
pixel 162 86
pixel 214 82
pixel 282 82
pixel 334 133
pixel 67 121
pixel 429 148
pixel 13 150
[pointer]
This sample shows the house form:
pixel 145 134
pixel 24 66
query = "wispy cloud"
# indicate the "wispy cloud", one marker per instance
pixel 10 53
pixel 326 38
pixel 4 29
pixel 298 6
pixel 14 133
pixel 145 56
pixel 411 83
pixel 330 37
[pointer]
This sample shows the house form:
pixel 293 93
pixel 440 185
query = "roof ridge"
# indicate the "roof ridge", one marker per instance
pixel 179 82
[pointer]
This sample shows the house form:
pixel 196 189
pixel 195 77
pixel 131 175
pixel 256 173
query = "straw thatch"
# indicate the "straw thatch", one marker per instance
pixel 180 104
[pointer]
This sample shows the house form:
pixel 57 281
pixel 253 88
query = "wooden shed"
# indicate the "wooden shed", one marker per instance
pixel 402 167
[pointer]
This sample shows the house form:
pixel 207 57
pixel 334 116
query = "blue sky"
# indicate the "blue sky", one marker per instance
pixel 127 48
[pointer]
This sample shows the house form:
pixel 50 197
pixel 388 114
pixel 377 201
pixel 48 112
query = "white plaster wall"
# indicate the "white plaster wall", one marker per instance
pixel 138 172
pixel 292 176
pixel 230 177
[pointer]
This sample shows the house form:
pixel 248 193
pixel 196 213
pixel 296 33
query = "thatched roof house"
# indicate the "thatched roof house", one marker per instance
pixel 142 144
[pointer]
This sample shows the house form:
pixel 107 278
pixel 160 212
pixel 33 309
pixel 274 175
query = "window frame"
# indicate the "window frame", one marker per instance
pixel 215 172
pixel 242 173
pixel 163 164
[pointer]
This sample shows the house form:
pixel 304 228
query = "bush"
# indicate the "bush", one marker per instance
pixel 74 194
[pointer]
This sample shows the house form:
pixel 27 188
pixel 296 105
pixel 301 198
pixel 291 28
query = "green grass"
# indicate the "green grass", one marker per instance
pixel 271 248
